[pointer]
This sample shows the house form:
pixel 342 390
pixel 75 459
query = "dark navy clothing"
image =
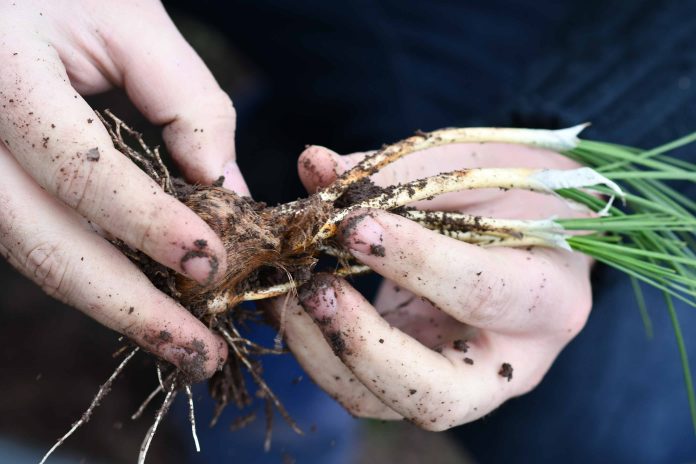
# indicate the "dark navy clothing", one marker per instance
pixel 355 74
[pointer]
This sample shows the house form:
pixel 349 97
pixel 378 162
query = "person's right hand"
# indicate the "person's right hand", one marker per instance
pixel 62 174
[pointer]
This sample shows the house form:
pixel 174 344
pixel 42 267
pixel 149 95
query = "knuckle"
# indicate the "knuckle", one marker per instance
pixel 356 405
pixel 46 265
pixel 75 178
pixel 432 409
pixel 142 232
pixel 486 301
pixel 436 421
pixel 215 106
pixel 434 425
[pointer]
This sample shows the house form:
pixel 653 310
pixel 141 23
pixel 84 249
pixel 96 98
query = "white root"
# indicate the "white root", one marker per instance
pixel 159 376
pixel 136 415
pixel 259 381
pixel 492 231
pixel 536 180
pixel 510 241
pixel 556 140
pixel 192 418
pixel 168 399
pixel 103 390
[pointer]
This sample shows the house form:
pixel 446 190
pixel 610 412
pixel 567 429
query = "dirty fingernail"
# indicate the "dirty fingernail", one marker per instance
pixel 318 298
pixel 194 362
pixel 362 233
pixel 233 179
pixel 200 267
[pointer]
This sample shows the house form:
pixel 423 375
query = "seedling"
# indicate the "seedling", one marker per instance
pixel 274 250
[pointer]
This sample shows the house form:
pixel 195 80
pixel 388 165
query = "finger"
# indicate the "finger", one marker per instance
pixel 53 134
pixel 503 289
pixel 314 354
pixel 319 166
pixel 436 391
pixel 170 84
pixel 45 241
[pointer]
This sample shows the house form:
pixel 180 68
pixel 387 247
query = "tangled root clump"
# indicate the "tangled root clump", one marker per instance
pixel 259 241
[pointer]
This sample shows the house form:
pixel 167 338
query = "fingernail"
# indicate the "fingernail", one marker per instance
pixel 318 298
pixel 200 266
pixel 362 233
pixel 192 361
pixel 233 179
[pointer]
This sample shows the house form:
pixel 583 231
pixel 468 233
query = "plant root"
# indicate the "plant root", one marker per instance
pixel 161 412
pixel 101 393
pixel 192 418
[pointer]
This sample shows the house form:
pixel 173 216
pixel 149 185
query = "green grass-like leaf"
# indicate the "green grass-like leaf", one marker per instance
pixel 653 238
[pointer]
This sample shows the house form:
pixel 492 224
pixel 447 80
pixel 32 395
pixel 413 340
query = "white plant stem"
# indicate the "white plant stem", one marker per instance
pixel 536 180
pixel 556 140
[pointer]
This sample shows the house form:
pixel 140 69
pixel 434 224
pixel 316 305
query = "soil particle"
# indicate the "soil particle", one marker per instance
pixel 200 243
pixel 377 250
pixel 469 361
pixel 93 154
pixel 348 226
pixel 201 254
pixel 165 336
pixel 506 371
pixel 412 391
pixel 316 285
pixel 358 192
pixel 219 181
pixel 338 345
pixel 460 345
pixel 193 365
pixel 130 310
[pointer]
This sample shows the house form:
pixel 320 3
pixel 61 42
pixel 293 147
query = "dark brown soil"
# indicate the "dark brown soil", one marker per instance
pixel 506 371
pixel 358 192
pixel 377 250
pixel 460 345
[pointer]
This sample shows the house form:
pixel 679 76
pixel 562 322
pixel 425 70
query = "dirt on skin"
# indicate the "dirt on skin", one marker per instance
pixel 506 371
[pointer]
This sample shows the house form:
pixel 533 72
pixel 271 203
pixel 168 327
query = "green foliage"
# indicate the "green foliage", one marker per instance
pixel 652 238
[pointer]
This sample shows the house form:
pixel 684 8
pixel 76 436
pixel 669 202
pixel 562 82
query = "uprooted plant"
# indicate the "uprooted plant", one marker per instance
pixel 274 250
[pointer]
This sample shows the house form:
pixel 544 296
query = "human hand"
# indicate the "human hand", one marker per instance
pixel 456 329
pixel 62 175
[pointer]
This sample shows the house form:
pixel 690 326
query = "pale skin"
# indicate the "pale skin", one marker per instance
pixel 61 170
pixel 431 348
pixel 65 188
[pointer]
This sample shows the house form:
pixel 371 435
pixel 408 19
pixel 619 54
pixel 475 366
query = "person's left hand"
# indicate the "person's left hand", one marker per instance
pixel 456 330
